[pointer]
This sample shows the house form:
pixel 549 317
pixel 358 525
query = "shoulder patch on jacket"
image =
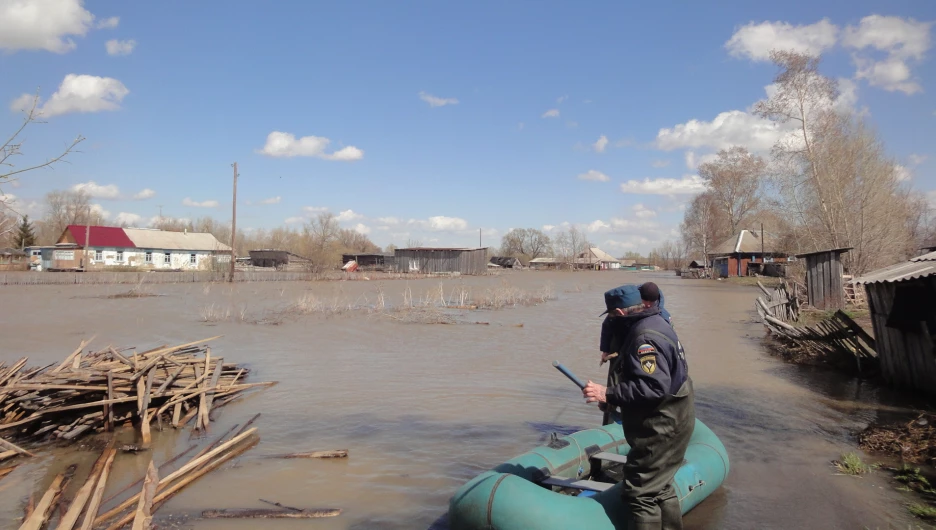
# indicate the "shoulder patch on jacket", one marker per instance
pixel 646 353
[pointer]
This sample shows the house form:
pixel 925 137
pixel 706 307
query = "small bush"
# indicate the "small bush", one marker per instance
pixel 851 464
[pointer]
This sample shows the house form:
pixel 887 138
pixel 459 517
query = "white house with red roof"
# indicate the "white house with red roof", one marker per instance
pixel 98 247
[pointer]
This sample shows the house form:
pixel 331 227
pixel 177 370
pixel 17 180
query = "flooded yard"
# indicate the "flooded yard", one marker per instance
pixel 422 407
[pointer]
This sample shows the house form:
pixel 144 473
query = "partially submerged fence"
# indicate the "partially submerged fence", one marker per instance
pixel 836 335
pixel 101 278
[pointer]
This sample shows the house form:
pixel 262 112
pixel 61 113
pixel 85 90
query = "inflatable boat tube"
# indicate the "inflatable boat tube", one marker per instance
pixel 512 497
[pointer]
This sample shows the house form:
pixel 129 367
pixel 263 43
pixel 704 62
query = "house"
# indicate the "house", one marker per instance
pixel 544 263
pixel 745 253
pixel 373 261
pixel 430 260
pixel 902 302
pixel 13 259
pixel 597 259
pixel 506 262
pixel 100 247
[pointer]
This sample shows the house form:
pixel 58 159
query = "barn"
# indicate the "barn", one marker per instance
pixel 433 260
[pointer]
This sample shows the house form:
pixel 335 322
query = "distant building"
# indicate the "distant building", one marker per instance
pixel 595 258
pixel 371 261
pixel 430 260
pixel 278 259
pixel 544 263
pixel 99 247
pixel 745 253
pixel 506 262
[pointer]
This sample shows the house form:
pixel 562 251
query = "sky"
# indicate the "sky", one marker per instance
pixel 446 123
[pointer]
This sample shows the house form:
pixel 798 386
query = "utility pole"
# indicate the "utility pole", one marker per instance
pixel 87 240
pixel 479 238
pixel 233 223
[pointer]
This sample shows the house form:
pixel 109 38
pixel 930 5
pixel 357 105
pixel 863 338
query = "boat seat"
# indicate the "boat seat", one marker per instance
pixel 589 485
pixel 610 457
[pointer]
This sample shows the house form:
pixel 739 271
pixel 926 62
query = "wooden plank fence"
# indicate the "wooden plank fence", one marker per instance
pixel 838 334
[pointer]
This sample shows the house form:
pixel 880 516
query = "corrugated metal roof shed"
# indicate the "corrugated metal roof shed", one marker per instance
pixel 163 240
pixel 745 242
pixel 918 267
pixel 101 236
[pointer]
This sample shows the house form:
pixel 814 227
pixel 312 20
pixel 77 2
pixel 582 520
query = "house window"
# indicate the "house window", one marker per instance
pixel 98 255
pixel 191 259
pixel 120 256
pixel 149 256
pixel 167 257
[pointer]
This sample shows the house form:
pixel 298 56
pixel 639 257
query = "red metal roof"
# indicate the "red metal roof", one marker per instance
pixel 101 236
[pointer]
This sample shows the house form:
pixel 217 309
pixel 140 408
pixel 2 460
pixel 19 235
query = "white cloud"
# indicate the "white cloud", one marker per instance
pixel 755 41
pixel 601 144
pixel 902 40
pixel 560 99
pixel 548 228
pixel 643 212
pixel 314 209
pixel 388 220
pixel 597 226
pixel 108 23
pixel 145 193
pixel 901 173
pixel 916 160
pixel 660 163
pixel 120 47
pixel 551 113
pixel 440 223
pixel 79 93
pixel 98 191
pixel 693 162
pixel 362 228
pixel 688 185
pixel 730 128
pixel 594 175
pixel 203 204
pixel 98 209
pixel 128 218
pixel 272 200
pixel 348 215
pixel 42 24
pixel 281 144
pixel 434 101
pixel 294 220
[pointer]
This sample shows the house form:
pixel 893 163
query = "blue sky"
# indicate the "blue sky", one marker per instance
pixel 431 120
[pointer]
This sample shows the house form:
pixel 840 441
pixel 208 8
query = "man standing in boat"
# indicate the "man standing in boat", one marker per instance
pixel 649 381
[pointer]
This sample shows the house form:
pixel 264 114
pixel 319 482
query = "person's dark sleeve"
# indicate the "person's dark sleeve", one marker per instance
pixel 637 386
pixel 604 343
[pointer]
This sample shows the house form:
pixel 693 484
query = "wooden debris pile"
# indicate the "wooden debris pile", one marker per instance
pixel 96 391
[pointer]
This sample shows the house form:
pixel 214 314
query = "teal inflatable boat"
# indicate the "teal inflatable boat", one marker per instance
pixel 559 485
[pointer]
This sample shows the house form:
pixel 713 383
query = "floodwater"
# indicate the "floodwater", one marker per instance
pixel 422 408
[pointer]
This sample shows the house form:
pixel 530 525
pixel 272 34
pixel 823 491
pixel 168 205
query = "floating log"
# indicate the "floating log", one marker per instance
pixel 270 514
pixel 336 453
pixel 281 506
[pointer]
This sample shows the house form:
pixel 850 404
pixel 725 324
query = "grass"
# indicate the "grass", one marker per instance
pixel 851 464
pixel 922 511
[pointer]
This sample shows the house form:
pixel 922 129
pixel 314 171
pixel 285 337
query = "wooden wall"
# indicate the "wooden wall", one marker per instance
pixel 824 289
pixel 907 358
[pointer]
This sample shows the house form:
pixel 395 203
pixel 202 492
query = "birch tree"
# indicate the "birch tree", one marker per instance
pixel 734 179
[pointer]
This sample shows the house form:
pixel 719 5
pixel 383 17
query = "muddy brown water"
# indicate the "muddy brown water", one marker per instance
pixel 423 408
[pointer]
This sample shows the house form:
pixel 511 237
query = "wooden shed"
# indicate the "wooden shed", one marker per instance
pixel 902 301
pixel 427 260
pixel 824 272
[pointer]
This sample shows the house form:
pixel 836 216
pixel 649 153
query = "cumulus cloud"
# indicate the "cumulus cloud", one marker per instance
pixel 108 23
pixel 551 113
pixel 601 144
pixel 145 193
pixel 98 209
pixel 901 173
pixel 281 144
pixel 125 218
pixel 440 223
pixel 388 220
pixel 203 204
pixel 693 161
pixel 592 174
pixel 660 163
pixel 79 93
pixel 688 185
pixel 348 215
pixel 434 101
pixel 294 220
pixel 43 24
pixel 120 47
pixel 362 228
pixel 642 212
pixel 729 128
pixel 756 40
pixel 98 191
pixel 548 228
pixel 272 200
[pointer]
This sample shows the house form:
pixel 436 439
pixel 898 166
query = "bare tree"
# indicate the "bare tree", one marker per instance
pixel 67 207
pixel 700 224
pixel 734 179
pixel 526 243
pixel 570 244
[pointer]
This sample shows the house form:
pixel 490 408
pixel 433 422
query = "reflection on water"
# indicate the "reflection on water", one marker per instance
pixel 424 408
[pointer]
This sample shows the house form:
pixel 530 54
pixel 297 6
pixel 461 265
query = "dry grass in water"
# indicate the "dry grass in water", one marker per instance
pixel 914 441
pixel 851 464
pixel 506 295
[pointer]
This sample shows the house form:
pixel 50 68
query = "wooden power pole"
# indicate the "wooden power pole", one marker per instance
pixel 233 224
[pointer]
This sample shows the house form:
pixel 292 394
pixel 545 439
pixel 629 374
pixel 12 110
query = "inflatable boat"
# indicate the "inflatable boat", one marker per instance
pixel 564 484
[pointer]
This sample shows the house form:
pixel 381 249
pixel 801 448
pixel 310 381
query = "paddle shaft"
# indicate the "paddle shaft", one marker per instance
pixel 569 374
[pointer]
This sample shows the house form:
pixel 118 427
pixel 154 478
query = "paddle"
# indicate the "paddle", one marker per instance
pixel 569 374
